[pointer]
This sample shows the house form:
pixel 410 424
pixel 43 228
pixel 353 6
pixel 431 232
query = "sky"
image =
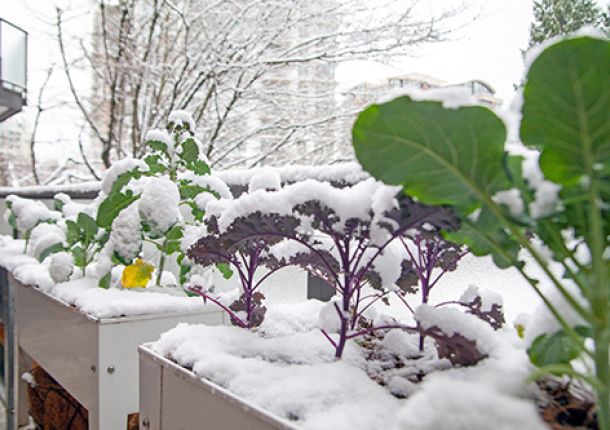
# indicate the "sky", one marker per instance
pixel 488 48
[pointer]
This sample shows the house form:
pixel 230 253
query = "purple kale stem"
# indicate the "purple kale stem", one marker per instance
pixel 330 339
pixel 197 289
pixel 393 236
pixel 302 242
pixel 362 273
pixel 451 302
pixel 346 296
pixel 249 291
pixel 383 327
pixel 440 275
pixel 402 299
pixel 376 298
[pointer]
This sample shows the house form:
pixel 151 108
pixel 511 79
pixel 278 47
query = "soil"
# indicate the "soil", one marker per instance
pixel 566 405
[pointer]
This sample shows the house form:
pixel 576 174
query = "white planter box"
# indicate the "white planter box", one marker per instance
pixel 96 360
pixel 174 398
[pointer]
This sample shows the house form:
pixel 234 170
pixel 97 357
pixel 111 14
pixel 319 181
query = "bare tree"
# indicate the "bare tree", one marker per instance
pixel 258 75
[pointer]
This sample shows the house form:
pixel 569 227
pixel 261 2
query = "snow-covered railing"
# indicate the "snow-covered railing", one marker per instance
pixel 84 190
pixel 237 179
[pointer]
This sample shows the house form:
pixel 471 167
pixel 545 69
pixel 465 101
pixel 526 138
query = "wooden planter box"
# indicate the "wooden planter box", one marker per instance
pixel 174 398
pixel 96 360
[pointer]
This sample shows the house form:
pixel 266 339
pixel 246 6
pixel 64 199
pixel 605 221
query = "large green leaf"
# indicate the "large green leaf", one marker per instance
pixel 566 110
pixel 190 150
pixel 441 156
pixel 112 206
pixel 87 225
pixel 73 232
pixel 556 348
pixel 124 178
pixel 566 113
pixel 56 247
pixel 80 256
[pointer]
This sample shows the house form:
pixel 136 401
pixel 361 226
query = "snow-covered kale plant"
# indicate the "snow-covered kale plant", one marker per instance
pixel 548 199
pixel 346 236
pixel 245 248
pixel 24 215
pixel 143 198
pixel 431 257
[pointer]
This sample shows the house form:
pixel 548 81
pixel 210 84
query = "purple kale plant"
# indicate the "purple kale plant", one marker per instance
pixel 352 253
pixel 431 257
pixel 343 251
pixel 244 246
pixel 355 249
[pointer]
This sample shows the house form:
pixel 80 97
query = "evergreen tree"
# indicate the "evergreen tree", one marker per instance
pixel 557 17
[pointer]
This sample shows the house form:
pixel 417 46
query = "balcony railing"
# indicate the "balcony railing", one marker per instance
pixel 13 68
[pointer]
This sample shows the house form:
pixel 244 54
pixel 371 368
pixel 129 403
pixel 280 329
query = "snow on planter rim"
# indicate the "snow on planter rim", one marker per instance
pixel 291 372
pixel 84 293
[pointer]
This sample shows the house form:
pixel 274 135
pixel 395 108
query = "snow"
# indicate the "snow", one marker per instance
pixel 383 199
pixel 546 193
pixel 100 303
pixel 43 236
pixel 328 316
pixel 28 213
pixel 71 209
pixel 288 368
pixel 400 343
pixel 84 293
pixel 488 298
pixel 324 393
pixel 49 190
pixel 61 267
pixel 162 136
pixel 158 204
pixel 118 168
pixel 451 321
pixel 348 202
pixel 542 320
pixel 512 199
pixel 445 403
pixel 190 235
pixel 24 268
pixel 287 318
pixel 182 117
pixel 286 249
pixel 388 264
pixel 212 181
pixel 349 173
pixel 125 236
pixel 268 180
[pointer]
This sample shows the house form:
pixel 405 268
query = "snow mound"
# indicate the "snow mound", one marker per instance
pixel 118 168
pixel 444 403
